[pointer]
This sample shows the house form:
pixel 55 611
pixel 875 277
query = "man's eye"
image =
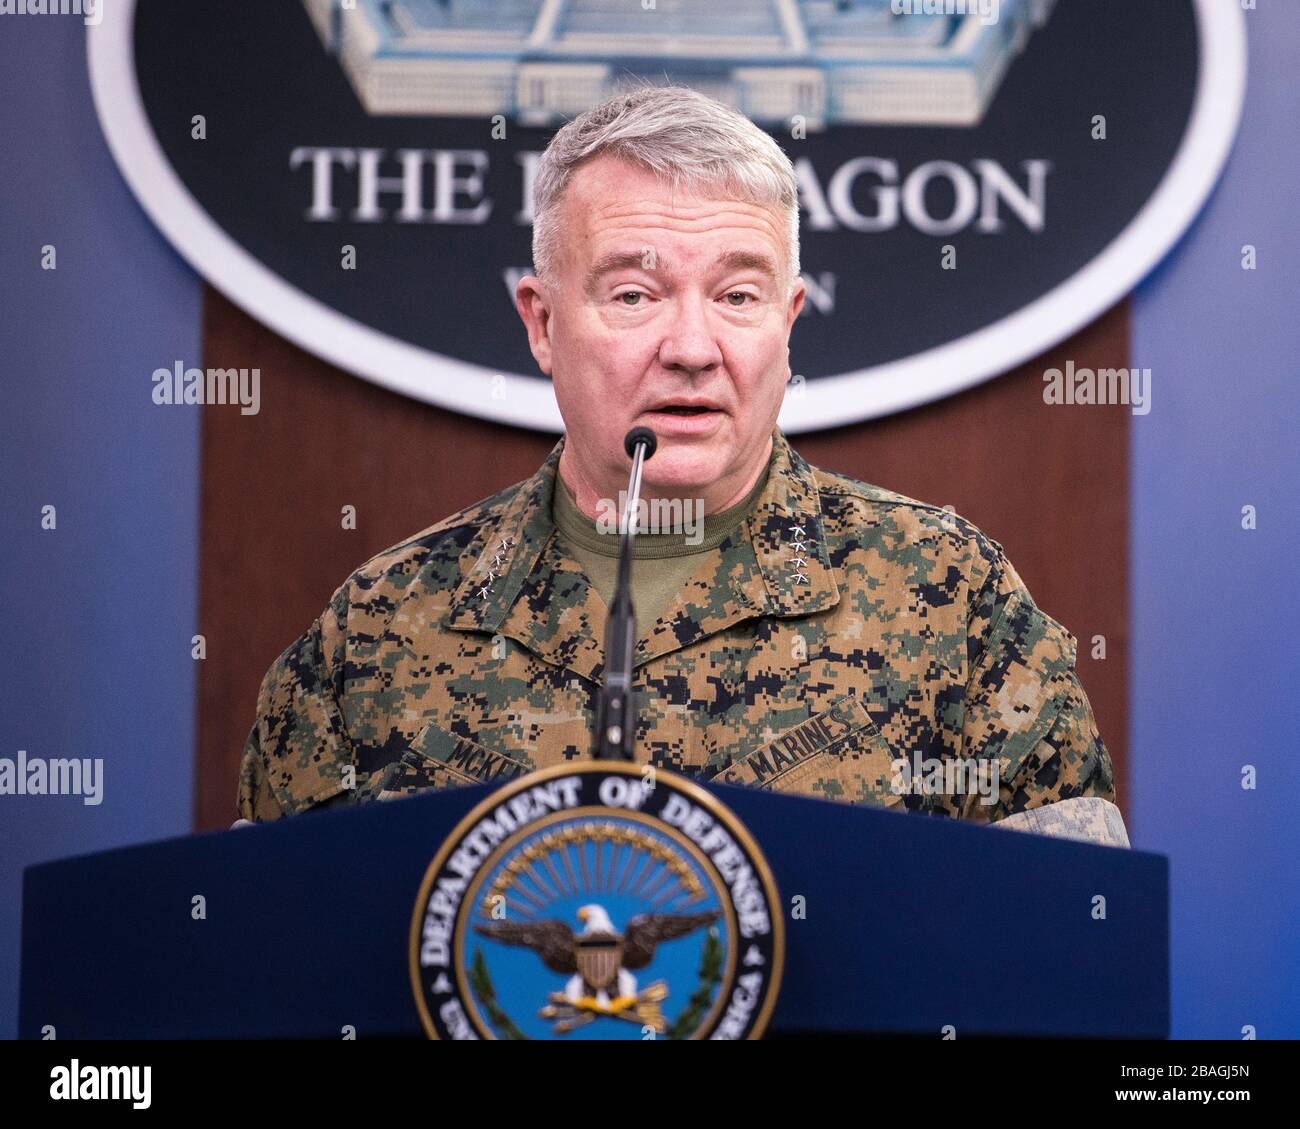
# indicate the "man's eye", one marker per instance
pixel 743 296
pixel 631 297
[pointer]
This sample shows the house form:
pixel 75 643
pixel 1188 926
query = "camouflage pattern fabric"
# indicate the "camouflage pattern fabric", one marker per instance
pixel 839 629
pixel 1088 819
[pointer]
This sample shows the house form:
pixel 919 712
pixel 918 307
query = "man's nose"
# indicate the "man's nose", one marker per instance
pixel 690 346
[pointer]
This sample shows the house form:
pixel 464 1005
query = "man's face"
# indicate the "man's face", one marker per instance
pixel 663 304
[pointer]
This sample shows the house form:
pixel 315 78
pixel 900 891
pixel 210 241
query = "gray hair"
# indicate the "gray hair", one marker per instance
pixel 693 142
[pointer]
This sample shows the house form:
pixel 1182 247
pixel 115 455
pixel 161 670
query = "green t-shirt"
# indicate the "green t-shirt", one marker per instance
pixel 662 562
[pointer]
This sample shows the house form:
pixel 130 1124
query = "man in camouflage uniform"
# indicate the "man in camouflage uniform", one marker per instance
pixel 823 637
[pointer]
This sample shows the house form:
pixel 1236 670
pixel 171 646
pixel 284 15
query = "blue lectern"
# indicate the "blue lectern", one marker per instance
pixel 900 924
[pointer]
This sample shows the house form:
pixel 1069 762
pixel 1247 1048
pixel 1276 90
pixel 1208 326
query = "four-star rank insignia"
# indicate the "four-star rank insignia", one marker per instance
pixel 598 900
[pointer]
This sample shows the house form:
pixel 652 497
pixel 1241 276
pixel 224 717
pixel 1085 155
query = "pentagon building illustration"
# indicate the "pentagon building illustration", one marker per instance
pixel 539 62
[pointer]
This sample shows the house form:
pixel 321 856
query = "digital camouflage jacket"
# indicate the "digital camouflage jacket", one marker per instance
pixel 844 642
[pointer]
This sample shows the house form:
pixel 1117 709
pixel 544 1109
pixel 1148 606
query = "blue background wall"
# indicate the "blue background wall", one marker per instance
pixel 97 616
pixel 1215 610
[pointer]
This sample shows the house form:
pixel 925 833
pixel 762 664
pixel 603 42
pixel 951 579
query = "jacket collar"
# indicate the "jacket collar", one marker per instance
pixel 525 586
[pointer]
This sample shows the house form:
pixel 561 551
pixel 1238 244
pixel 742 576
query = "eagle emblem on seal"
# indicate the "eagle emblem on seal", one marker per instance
pixel 599 962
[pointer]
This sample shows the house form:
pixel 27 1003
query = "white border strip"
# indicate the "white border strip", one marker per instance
pixel 529 402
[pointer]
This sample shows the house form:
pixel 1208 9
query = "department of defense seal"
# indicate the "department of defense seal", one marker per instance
pixel 598 900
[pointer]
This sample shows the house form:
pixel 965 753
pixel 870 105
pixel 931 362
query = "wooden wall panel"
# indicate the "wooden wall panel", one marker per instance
pixel 1049 483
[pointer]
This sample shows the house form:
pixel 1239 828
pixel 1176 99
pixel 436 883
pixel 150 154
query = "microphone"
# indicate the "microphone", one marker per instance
pixel 616 704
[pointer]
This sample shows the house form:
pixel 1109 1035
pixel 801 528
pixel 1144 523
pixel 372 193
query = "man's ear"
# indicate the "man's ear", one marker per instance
pixel 797 296
pixel 533 304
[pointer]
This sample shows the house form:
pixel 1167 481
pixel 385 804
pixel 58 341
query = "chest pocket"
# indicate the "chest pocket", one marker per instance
pixel 440 759
pixel 837 754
